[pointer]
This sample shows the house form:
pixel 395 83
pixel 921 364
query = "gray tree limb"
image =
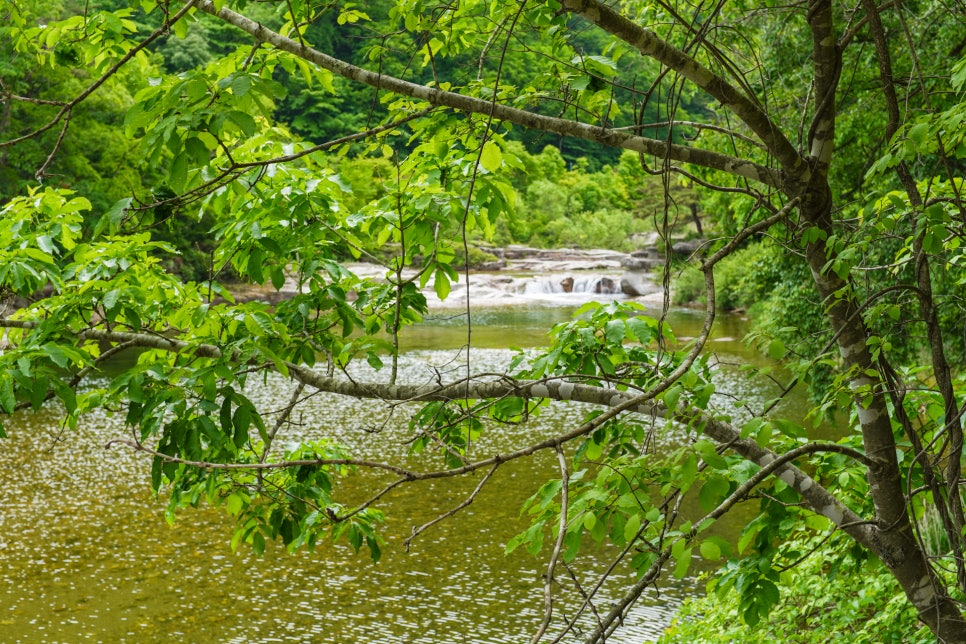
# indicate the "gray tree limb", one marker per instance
pixel 820 499
pixel 468 104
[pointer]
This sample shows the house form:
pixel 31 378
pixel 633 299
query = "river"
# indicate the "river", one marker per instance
pixel 88 556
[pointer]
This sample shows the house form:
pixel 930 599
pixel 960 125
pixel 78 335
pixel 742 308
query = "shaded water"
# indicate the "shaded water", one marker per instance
pixel 85 554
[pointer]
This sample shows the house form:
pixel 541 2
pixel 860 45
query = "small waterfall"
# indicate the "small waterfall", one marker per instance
pixel 598 284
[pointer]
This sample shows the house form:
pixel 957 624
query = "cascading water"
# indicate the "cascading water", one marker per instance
pixel 556 282
pixel 499 289
pixel 600 284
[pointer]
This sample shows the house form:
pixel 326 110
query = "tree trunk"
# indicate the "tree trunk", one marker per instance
pixel 894 540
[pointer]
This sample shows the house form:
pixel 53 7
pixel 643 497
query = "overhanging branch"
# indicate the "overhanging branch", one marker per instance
pixel 651 45
pixel 616 402
pixel 93 87
pixel 437 97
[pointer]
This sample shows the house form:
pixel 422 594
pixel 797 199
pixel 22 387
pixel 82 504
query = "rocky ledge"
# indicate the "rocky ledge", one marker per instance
pixel 522 275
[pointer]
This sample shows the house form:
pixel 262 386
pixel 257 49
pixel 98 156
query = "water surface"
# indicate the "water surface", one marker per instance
pixel 87 555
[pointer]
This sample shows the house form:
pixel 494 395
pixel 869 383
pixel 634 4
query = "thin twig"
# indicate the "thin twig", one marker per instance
pixel 557 547
pixel 160 31
pixel 283 416
pixel 467 501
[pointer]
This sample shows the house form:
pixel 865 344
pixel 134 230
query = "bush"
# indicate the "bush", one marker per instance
pixel 688 287
pixel 749 276
pixel 599 229
pixel 819 604
pixel 477 256
pixel 742 280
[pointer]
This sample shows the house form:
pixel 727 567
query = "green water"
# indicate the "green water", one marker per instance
pixel 87 555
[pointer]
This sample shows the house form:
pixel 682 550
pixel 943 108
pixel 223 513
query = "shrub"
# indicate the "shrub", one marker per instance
pixel 599 229
pixel 742 280
pixel 477 256
pixel 828 597
pixel 687 286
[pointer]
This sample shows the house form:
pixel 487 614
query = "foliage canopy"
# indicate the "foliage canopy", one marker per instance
pixel 835 132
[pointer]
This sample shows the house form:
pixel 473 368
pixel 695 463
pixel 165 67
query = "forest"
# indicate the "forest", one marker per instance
pixel 156 157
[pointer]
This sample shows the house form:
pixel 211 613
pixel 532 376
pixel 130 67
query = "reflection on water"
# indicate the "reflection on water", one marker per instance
pixel 87 555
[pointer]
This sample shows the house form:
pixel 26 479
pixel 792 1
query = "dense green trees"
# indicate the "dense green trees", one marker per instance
pixel 831 132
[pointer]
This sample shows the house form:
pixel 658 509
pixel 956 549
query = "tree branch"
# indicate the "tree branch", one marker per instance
pixel 67 107
pixel 613 618
pixel 437 97
pixel 616 402
pixel 557 547
pixel 650 44
pixel 467 501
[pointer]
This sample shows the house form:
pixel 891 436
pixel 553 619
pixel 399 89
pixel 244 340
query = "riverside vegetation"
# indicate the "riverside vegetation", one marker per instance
pixel 818 146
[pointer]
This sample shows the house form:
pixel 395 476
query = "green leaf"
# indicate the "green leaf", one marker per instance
pixel 572 541
pixel 768 594
pixel 57 355
pixel 252 326
pixel 632 527
pixel 764 435
pixel 548 492
pixel 615 331
pixel 515 542
pixel 788 428
pixel 242 421
pixel 255 264
pixel 225 416
pixel 671 397
pixel 491 157
pixel 710 455
pixel 109 301
pixel 713 492
pixel 258 543
pixel 639 326
pixel 751 616
pixel 196 150
pixel 375 551
pixel 687 472
pixel 932 241
pixel 749 533
pixel 710 550
pixel 8 401
pixel 178 172
pixel 240 85
pixel 441 284
pixel 234 504
pixel 919 133
pixel 198 316
pixel 959 75
pixel 46 244
pixel 683 562
pixel 580 82
pixel 67 396
pixel 751 426
pixel 813 234
pixel 776 349
pixel 244 122
pixel 278 277
pixel 156 473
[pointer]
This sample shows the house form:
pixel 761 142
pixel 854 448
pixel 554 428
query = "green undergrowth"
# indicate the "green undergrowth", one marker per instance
pixel 826 598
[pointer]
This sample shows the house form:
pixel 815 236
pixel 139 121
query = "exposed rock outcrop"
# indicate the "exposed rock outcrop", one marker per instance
pixel 636 284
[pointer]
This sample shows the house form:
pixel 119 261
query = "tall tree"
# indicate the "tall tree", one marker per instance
pixel 774 84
